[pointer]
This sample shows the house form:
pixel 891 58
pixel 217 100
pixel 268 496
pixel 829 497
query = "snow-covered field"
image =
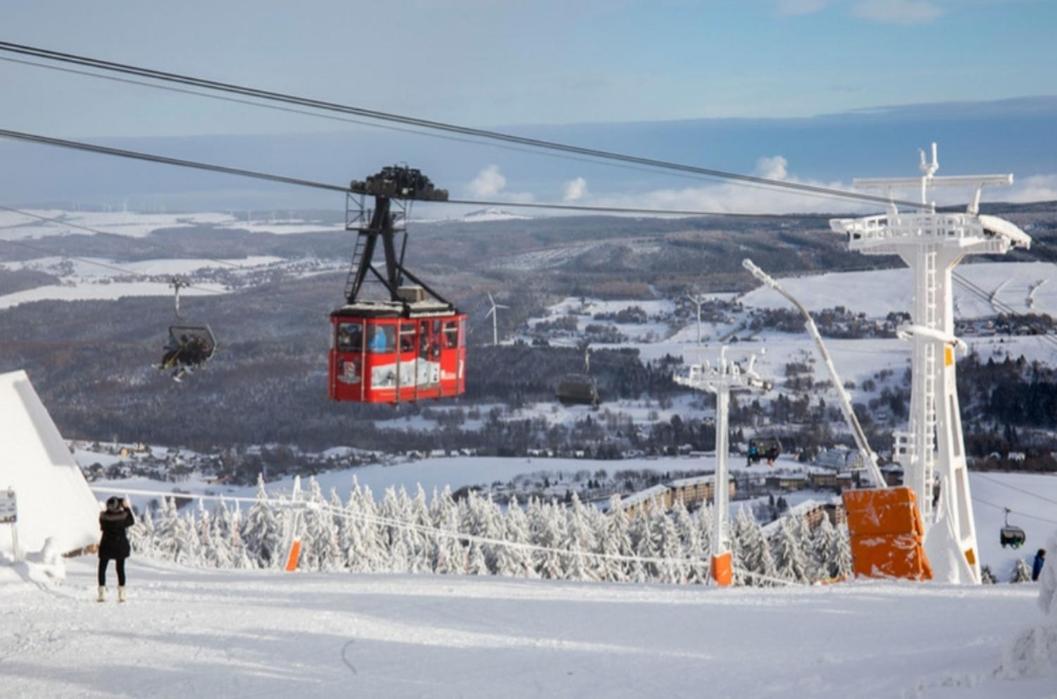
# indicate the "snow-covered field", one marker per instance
pixel 876 293
pixel 102 279
pixel 251 633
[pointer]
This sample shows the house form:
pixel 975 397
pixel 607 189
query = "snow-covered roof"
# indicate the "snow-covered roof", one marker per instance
pixel 53 498
pixel 644 495
pixel 798 510
pixel 693 480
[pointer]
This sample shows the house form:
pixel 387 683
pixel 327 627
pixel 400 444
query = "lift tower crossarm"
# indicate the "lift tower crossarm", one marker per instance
pixel 869 458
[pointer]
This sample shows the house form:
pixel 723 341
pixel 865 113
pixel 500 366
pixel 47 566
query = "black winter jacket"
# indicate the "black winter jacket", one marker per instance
pixel 114 543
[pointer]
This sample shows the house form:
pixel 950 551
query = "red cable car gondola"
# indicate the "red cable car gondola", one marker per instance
pixel 411 345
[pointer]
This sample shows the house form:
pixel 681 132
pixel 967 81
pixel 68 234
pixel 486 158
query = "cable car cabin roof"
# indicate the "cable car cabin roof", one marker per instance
pixel 395 309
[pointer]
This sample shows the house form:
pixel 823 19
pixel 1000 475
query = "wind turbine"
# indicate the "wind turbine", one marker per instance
pixel 495 318
pixel 698 300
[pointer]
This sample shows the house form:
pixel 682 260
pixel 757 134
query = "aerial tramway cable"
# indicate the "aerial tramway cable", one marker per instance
pixel 446 127
pixel 313 184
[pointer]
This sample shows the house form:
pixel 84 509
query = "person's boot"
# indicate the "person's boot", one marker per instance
pixel 121 593
pixel 102 594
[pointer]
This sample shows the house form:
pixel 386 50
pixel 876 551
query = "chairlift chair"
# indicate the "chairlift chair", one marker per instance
pixel 1011 535
pixel 579 389
pixel 760 448
pixel 189 346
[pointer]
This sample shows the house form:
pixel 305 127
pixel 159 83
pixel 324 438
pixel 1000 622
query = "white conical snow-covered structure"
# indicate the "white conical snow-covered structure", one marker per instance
pixel 54 500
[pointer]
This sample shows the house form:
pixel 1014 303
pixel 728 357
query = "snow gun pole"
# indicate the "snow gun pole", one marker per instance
pixel 869 458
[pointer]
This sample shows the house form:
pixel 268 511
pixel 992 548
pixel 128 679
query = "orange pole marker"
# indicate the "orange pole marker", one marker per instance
pixel 294 556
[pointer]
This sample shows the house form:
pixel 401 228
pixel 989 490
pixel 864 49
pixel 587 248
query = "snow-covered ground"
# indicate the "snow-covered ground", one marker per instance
pixel 102 279
pixel 876 293
pixel 256 633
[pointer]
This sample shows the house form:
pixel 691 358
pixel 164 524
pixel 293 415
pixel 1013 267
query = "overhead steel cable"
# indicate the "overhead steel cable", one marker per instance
pixel 136 155
pixel 349 120
pixel 446 127
pixel 299 182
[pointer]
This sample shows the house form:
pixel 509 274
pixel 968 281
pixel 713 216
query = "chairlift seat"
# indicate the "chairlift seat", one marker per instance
pixel 578 389
pixel 1012 536
pixel 189 346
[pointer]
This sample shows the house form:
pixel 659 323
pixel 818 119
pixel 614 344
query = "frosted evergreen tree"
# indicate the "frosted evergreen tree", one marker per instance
pixel 166 530
pixel 186 546
pixel 987 577
pixel 751 551
pixel 319 533
pixel 824 542
pixel 515 561
pixel 262 531
pixel 355 541
pixel 579 541
pixel 239 556
pixel 141 536
pixel 376 553
pixel 476 564
pixel 546 525
pixel 1021 572
pixel 668 546
pixel 842 554
pixel 420 544
pixel 615 541
pixel 450 555
pixel 645 546
pixel 790 560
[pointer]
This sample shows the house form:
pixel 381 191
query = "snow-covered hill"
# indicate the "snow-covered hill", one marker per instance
pixel 237 633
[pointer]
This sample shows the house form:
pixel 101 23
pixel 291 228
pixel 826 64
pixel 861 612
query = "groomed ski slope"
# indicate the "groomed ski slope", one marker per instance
pixel 198 633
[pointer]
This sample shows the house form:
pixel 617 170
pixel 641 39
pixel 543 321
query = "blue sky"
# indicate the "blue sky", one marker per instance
pixel 487 62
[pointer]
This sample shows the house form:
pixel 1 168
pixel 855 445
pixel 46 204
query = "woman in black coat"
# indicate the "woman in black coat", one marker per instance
pixel 114 521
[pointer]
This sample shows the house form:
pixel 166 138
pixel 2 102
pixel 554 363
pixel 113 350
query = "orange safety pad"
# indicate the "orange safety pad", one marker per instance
pixel 887 534
pixel 882 511
pixel 294 556
pixel 723 569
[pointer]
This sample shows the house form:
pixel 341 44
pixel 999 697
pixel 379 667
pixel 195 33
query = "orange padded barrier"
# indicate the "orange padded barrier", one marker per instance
pixel 723 569
pixel 887 534
pixel 294 556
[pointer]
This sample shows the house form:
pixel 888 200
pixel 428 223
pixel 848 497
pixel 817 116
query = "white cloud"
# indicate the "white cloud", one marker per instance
pixel 488 183
pixel 1031 188
pixel 800 7
pixel 574 190
pixel 730 197
pixel 897 11
pixel 772 167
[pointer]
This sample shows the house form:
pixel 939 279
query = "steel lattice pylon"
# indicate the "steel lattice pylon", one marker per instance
pixel 932 244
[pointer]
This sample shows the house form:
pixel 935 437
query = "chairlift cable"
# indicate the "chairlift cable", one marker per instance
pixel 446 127
pixel 1018 489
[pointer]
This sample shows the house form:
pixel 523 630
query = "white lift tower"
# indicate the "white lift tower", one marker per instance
pixel 932 450
pixel 723 379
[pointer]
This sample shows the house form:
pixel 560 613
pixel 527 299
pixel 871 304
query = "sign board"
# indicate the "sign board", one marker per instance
pixel 8 507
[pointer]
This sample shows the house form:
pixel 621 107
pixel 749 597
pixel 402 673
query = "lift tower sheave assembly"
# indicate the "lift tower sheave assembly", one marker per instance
pixel 722 379
pixel 932 450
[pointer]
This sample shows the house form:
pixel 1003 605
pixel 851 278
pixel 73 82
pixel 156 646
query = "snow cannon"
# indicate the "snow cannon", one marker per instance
pixel 887 534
